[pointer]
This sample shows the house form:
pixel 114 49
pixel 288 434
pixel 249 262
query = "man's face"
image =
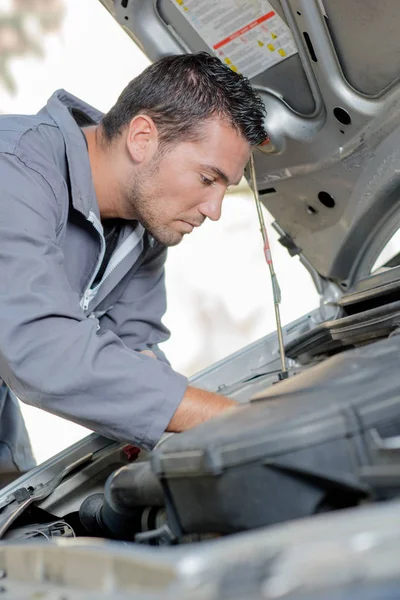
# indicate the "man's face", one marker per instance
pixel 178 190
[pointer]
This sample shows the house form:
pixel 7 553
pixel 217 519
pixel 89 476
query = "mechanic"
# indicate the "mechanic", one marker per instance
pixel 89 204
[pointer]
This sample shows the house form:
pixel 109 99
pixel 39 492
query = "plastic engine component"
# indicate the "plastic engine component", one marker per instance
pixel 298 451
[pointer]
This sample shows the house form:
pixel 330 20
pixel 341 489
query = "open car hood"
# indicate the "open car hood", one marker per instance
pixel 327 72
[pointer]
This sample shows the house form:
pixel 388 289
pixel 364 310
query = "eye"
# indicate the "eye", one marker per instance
pixel 206 181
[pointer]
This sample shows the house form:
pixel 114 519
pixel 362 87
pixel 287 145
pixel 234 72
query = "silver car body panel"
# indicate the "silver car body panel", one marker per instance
pixel 328 553
pixel 330 174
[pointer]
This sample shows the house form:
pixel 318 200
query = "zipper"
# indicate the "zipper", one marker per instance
pixel 116 259
pixel 87 296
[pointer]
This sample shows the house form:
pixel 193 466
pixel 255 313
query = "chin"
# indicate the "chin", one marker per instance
pixel 168 238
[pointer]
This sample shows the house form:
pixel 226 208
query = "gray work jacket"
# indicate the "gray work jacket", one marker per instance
pixel 66 346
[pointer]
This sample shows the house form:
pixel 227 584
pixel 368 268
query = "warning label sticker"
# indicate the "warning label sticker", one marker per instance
pixel 248 35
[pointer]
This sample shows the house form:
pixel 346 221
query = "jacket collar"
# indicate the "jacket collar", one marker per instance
pixel 82 188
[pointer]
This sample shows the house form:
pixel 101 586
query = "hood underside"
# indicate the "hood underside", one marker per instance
pixel 327 72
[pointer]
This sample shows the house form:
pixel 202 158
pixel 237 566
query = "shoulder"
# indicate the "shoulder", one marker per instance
pixel 37 143
pixel 15 130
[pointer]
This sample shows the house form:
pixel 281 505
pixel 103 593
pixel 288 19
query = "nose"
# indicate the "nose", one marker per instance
pixel 213 206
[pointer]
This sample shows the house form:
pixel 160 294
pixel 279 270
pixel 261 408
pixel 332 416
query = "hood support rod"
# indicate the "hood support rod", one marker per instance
pixel 268 257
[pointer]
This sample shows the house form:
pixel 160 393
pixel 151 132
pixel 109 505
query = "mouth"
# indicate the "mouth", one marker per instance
pixel 186 227
pixel 189 226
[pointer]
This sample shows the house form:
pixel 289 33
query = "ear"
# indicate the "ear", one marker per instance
pixel 142 139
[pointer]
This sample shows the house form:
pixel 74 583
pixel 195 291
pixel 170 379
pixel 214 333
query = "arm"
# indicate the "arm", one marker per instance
pixel 198 406
pixel 137 319
pixel 51 355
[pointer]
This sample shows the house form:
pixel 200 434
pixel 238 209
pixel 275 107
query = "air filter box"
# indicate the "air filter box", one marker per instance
pixel 297 451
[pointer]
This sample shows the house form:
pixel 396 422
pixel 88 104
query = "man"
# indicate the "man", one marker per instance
pixel 88 205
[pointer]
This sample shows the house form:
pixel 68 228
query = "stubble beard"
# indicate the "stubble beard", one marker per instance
pixel 144 200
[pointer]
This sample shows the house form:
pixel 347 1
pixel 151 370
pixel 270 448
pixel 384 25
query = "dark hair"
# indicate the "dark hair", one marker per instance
pixel 179 92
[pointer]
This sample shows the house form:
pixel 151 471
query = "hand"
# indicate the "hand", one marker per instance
pixel 148 353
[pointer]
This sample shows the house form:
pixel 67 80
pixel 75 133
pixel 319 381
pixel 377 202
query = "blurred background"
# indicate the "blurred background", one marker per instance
pixel 218 289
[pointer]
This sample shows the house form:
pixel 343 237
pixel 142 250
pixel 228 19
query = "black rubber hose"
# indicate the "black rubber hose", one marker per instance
pixel 118 513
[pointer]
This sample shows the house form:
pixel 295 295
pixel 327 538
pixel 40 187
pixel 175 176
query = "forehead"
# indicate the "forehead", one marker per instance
pixel 221 145
pixel 216 131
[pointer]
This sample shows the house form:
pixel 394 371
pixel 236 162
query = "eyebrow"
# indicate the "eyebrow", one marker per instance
pixel 219 174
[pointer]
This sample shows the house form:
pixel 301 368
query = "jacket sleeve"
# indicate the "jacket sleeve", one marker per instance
pixel 136 316
pixel 51 355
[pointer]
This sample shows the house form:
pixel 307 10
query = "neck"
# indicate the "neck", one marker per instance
pixel 104 178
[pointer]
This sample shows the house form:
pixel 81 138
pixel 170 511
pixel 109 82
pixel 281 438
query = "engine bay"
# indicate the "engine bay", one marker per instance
pixel 325 439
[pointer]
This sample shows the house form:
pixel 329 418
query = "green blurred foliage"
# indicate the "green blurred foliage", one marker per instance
pixel 23 24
